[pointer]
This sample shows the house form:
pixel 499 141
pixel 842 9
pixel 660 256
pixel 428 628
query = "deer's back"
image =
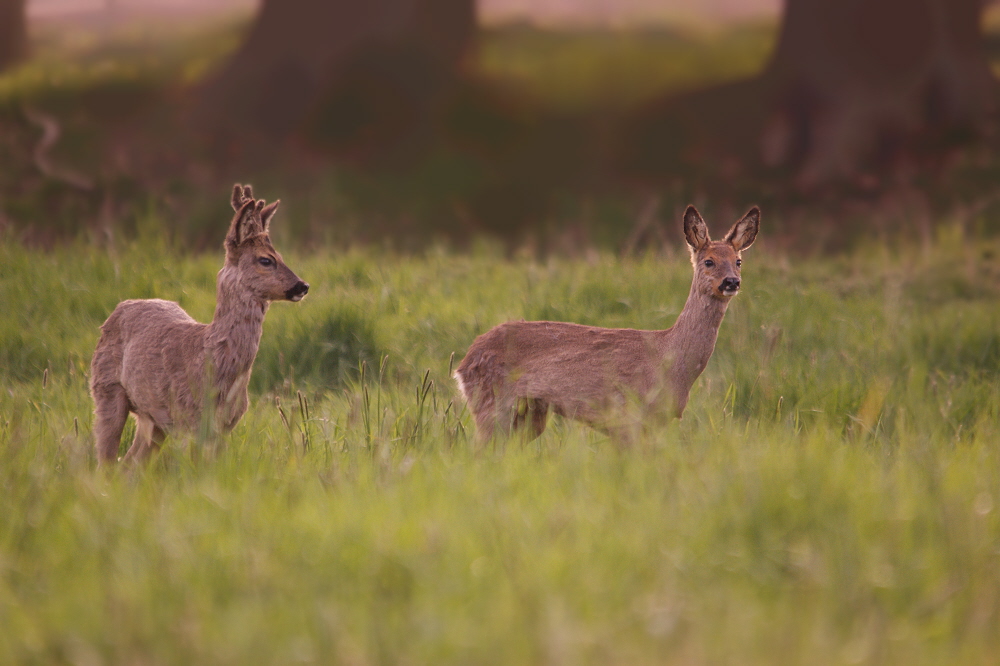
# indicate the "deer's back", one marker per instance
pixel 553 360
pixel 145 323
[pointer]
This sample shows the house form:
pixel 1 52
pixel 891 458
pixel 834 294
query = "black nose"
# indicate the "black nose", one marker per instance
pixel 730 284
pixel 298 291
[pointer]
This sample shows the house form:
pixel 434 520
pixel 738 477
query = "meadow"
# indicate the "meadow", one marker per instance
pixel 831 495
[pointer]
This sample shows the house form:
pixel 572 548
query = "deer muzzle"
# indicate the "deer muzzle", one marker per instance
pixel 298 291
pixel 730 286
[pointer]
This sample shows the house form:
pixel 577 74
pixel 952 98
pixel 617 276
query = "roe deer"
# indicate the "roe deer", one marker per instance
pixel 516 372
pixel 157 362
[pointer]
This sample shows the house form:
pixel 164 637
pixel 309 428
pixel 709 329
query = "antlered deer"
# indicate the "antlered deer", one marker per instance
pixel 516 372
pixel 160 364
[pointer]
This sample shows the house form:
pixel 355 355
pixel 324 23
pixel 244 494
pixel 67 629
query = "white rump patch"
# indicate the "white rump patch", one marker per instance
pixel 461 385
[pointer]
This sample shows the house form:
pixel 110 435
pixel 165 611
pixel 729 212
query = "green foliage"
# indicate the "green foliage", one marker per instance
pixel 512 140
pixel 831 495
pixel 615 69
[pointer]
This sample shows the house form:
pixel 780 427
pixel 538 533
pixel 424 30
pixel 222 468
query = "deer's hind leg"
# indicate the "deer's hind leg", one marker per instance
pixel 148 437
pixel 503 416
pixel 527 416
pixel 111 413
pixel 531 414
pixel 486 422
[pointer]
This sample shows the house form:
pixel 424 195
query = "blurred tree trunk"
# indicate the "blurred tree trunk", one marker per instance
pixel 358 60
pixel 851 81
pixel 13 32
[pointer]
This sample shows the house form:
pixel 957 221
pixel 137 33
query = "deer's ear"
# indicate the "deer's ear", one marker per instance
pixel 743 233
pixel 695 229
pixel 268 212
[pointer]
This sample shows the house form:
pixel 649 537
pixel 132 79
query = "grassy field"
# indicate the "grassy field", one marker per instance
pixel 830 496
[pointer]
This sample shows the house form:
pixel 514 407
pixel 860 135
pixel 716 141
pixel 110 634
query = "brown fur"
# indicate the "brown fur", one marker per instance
pixel 153 359
pixel 516 372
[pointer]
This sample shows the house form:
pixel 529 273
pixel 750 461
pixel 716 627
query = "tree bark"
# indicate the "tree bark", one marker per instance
pixel 854 81
pixel 13 32
pixel 301 53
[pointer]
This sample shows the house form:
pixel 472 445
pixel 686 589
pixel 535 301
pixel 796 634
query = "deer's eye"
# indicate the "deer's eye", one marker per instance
pixel 739 262
pixel 709 263
pixel 266 262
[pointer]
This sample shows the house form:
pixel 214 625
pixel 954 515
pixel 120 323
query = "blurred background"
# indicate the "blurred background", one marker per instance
pixel 551 125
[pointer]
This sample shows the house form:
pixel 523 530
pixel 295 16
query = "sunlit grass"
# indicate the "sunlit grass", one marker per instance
pixel 831 495
pixel 70 58
pixel 562 69
pixel 615 69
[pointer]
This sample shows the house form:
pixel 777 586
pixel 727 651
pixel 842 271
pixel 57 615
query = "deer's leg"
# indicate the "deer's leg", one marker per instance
pixel 147 438
pixel 540 418
pixel 527 415
pixel 535 417
pixel 482 404
pixel 623 436
pixel 111 413
pixel 486 421
pixel 502 417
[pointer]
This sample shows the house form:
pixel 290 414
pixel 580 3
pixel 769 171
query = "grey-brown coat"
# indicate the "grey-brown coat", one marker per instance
pixel 515 373
pixel 155 361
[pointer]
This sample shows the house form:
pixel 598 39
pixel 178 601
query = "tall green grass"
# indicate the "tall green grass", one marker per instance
pixel 831 495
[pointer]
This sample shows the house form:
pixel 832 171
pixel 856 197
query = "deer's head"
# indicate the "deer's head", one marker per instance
pixel 257 266
pixel 717 263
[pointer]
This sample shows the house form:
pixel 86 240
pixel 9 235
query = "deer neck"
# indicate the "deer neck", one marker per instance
pixel 694 333
pixel 233 337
